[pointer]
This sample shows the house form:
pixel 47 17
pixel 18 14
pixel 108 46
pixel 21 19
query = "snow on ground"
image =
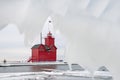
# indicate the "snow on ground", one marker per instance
pixel 102 73
pixel 39 76
pixel 56 75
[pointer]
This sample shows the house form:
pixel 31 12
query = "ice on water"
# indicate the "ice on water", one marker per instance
pixel 52 72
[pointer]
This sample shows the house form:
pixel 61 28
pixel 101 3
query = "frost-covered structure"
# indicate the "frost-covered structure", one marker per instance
pixel 103 73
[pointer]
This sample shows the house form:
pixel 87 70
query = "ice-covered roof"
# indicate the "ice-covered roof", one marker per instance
pixel 45 46
pixel 36 46
pixel 77 67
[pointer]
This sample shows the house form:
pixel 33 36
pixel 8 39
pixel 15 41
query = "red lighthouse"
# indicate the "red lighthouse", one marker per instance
pixel 44 52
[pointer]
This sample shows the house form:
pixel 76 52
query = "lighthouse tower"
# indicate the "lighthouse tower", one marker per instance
pixel 49 40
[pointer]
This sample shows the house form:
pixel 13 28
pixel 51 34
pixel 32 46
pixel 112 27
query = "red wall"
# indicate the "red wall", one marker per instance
pixel 49 41
pixel 47 56
pixel 38 55
pixel 35 55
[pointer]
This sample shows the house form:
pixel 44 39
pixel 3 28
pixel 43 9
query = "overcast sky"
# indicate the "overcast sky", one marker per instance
pixel 91 28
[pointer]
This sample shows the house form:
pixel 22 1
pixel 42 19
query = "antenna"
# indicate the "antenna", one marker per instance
pixel 41 37
pixel 49 25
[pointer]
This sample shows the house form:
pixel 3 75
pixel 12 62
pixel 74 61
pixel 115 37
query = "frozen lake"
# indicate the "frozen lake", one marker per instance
pixel 5 73
pixel 36 68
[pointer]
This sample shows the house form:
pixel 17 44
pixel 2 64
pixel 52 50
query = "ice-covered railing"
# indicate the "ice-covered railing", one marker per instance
pixel 29 64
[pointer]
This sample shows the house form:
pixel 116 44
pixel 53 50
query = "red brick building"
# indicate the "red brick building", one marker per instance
pixel 44 52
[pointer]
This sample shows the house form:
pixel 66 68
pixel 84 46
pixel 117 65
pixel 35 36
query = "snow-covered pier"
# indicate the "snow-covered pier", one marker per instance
pixel 30 64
